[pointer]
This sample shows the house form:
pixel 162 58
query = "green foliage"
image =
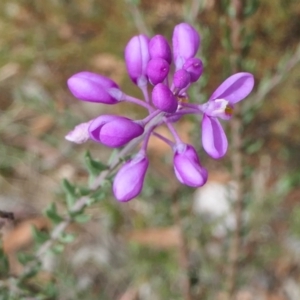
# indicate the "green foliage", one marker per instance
pixel 4 267
pixel 94 167
pixel 71 193
pixel 250 7
pixel 48 41
pixel 52 214
pixel 39 236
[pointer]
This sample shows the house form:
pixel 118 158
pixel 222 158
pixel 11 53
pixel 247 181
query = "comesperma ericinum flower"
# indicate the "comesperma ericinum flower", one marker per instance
pixel 187 166
pixel 159 48
pixel 114 131
pixel 92 87
pixel 186 42
pixel 137 57
pixel 166 98
pixel 129 180
pixel 157 70
pixel 181 79
pixel 221 105
pixel 194 67
pixel 163 98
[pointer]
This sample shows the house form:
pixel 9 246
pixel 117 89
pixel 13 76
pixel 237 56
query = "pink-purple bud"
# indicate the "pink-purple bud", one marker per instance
pixel 186 41
pixel 159 48
pixel 129 180
pixel 181 79
pixel 157 70
pixel 187 167
pixel 114 131
pixel 92 87
pixel 194 66
pixel 163 98
pixel 137 57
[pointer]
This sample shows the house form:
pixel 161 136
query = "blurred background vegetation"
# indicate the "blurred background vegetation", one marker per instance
pixel 171 242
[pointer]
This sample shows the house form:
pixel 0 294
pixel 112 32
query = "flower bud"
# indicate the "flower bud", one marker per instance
pixel 159 48
pixel 181 79
pixel 163 98
pixel 157 70
pixel 195 68
pixel 137 57
pixel 187 167
pixel 92 87
pixel 186 41
pixel 129 180
pixel 79 134
pixel 114 131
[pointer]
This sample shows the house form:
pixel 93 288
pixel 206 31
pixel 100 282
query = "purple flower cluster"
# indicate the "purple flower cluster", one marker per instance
pixel 148 63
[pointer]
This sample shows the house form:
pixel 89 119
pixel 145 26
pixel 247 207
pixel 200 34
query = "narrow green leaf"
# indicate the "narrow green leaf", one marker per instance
pixel 58 248
pixel 70 191
pixel 94 167
pixel 66 238
pixel 39 236
pixel 25 258
pixel 51 213
pixel 4 267
pixel 82 218
pixel 98 195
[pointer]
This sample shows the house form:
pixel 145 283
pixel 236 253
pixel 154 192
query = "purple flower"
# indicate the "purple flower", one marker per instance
pixel 137 57
pixel 194 67
pixel 159 48
pixel 129 180
pixel 181 79
pixel 92 87
pixel 157 70
pixel 163 98
pixel 166 101
pixel 187 167
pixel 221 104
pixel 186 42
pixel 114 131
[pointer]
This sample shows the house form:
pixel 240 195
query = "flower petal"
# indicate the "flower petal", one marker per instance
pixel 187 167
pixel 92 87
pixel 186 42
pixel 159 48
pixel 129 180
pixel 79 134
pixel 235 88
pixel 214 140
pixel 157 70
pixel 163 98
pixel 137 57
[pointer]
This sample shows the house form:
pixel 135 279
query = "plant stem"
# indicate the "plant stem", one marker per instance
pixel 236 157
pixel 183 250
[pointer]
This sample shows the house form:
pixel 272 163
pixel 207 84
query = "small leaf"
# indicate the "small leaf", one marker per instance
pixel 51 213
pixel 98 195
pixel 250 7
pixel 58 248
pixel 94 167
pixel 66 238
pixel 84 191
pixel 4 267
pixel 39 236
pixel 25 258
pixel 82 218
pixel 70 191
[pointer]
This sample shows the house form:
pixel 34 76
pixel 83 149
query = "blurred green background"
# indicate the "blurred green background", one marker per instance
pixel 134 251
